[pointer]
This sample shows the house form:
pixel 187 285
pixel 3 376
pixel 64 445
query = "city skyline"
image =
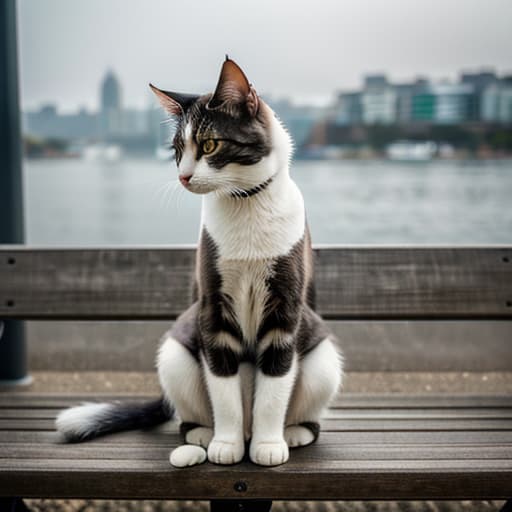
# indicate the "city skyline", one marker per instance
pixel 287 48
pixel 476 110
pixel 331 101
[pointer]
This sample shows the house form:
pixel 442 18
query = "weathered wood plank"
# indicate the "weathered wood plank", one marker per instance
pixel 152 437
pixel 153 466
pixel 362 282
pixel 343 401
pixel 346 481
pixel 160 452
pixel 344 414
pixel 333 424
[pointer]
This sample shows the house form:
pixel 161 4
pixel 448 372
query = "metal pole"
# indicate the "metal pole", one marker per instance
pixel 13 360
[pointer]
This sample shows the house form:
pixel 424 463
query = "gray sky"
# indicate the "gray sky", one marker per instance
pixel 303 49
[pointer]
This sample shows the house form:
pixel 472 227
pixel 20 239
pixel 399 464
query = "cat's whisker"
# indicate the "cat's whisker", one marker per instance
pixel 160 192
pixel 174 194
pixel 168 192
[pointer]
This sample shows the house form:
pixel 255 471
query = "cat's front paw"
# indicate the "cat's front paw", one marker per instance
pixel 225 452
pixel 269 453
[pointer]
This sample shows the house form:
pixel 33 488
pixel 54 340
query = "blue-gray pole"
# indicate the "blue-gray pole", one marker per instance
pixel 13 360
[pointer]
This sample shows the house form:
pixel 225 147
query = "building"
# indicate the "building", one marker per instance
pixel 130 128
pixel 347 109
pixel 48 123
pixel 454 103
pixel 299 120
pixel 111 114
pixel 479 81
pixel 496 103
pixel 378 101
pixel 405 105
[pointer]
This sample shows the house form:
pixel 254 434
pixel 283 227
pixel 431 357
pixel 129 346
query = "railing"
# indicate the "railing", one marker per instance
pixel 351 283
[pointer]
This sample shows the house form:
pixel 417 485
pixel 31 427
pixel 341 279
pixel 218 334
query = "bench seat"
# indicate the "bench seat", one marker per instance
pixel 387 447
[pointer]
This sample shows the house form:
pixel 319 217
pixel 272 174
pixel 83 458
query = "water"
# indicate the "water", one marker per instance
pixel 83 203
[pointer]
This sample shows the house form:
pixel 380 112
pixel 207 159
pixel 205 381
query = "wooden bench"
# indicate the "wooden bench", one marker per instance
pixel 371 447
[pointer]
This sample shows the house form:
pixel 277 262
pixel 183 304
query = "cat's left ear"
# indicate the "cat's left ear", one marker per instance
pixel 174 103
pixel 233 88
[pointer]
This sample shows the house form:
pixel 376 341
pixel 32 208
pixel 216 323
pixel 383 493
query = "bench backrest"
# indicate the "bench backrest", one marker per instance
pixel 352 282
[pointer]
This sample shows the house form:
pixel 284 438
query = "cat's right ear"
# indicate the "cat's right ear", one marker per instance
pixel 174 103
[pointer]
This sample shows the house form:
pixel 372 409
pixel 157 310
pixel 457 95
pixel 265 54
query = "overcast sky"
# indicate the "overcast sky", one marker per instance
pixel 303 49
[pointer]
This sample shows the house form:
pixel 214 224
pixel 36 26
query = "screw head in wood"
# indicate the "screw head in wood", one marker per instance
pixel 240 486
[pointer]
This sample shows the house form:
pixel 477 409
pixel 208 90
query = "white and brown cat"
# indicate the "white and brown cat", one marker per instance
pixel 250 361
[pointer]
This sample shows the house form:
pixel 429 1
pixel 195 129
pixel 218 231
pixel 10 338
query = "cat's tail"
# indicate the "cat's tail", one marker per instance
pixel 91 420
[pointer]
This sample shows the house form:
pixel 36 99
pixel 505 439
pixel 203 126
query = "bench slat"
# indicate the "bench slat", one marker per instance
pixel 369 461
pixel 142 480
pixel 151 438
pixel 36 451
pixel 343 414
pixel 344 400
pixel 334 424
pixel 352 283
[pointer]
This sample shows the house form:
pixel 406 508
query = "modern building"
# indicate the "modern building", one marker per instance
pixel 378 101
pixel 405 104
pixel 496 103
pixel 454 103
pixel 347 110
pixel 479 81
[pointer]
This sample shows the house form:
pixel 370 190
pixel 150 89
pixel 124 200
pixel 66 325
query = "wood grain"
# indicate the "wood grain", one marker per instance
pixel 362 455
pixel 366 401
pixel 352 283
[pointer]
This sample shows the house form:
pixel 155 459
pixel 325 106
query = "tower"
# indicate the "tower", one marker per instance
pixel 111 109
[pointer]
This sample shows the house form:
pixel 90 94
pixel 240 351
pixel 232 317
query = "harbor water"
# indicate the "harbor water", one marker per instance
pixel 138 201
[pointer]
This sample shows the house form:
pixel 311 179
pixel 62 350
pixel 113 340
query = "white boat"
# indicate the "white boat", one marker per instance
pixel 411 151
pixel 103 152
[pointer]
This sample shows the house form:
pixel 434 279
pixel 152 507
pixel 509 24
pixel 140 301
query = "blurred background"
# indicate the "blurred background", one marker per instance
pixel 401 113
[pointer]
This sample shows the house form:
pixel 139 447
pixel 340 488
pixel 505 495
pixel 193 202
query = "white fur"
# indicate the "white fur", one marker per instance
pixel 187 455
pixel 182 382
pixel 227 445
pixel 318 381
pixel 265 225
pixel 297 435
pixel 200 436
pixel 188 161
pixel 272 395
pixel 81 420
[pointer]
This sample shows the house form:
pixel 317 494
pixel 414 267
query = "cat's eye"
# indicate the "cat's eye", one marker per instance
pixel 209 146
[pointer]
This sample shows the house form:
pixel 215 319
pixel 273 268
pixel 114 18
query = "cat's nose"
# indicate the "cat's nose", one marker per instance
pixel 185 178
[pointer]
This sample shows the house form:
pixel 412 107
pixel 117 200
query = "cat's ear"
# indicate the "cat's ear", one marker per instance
pixel 174 103
pixel 233 88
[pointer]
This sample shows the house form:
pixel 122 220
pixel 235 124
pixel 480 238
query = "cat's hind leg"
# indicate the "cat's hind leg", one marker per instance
pixel 182 382
pixel 318 380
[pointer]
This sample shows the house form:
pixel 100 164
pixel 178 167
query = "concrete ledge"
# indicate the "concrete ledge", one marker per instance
pixel 368 346
pixel 355 382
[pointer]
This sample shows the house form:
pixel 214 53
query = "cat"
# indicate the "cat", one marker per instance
pixel 250 361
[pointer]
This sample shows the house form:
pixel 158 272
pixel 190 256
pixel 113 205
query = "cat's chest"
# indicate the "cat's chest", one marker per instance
pixel 257 230
pixel 245 282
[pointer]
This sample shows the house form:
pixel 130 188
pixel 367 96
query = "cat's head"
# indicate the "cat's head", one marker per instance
pixel 229 142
